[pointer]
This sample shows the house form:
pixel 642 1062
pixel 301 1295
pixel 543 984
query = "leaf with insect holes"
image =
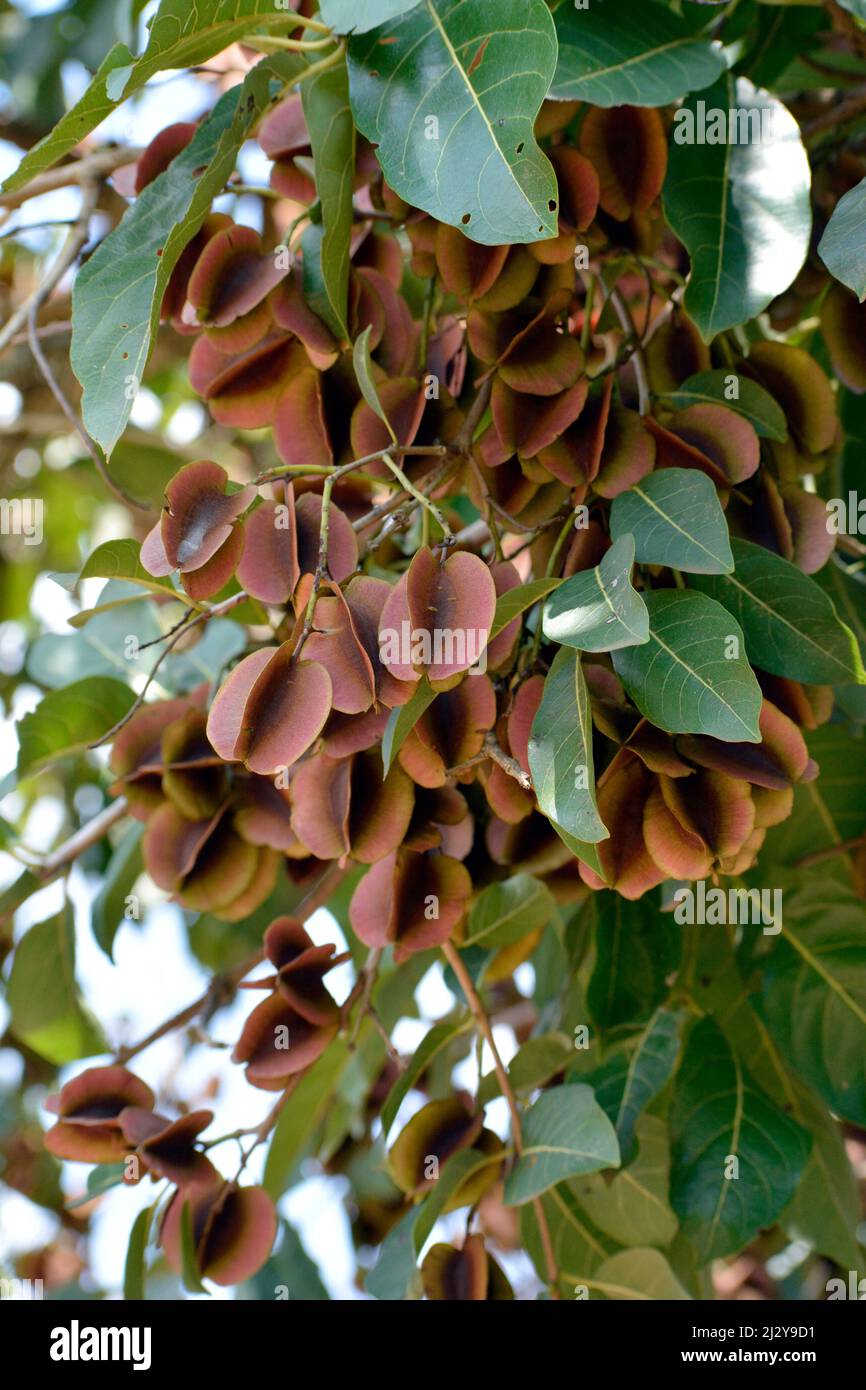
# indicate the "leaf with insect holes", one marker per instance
pixel 449 94
pixel 597 610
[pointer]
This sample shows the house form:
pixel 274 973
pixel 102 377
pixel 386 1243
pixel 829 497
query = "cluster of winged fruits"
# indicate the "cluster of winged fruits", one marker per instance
pixel 287 767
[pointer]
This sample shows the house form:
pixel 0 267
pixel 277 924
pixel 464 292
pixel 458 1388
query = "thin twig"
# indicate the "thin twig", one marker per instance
pixel 508 764
pixel 88 835
pixel 452 955
pixel 91 167
pixel 623 313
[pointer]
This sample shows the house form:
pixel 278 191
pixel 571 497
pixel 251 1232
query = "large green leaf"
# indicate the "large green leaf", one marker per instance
pixel 638 1274
pixel 507 911
pixel 45 1005
pixel 357 16
pixel 181 35
pixel 633 1074
pixel 597 610
pixel 118 292
pixel 332 136
pixel 713 387
pixel 578 1247
pixel 66 721
pixel 846 587
pixel 565 1133
pixel 717 1115
pixel 742 210
pixel 636 948
pixel 692 676
pixel 631 53
pixel 829 811
pixel 841 248
pixel 560 751
pixel 450 101
pixel 814 993
pixel 676 519
pixel 632 1206
pixel 790 625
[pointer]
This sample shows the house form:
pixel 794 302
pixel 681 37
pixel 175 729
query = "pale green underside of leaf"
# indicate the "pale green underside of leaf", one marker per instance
pixel 790 626
pixel 359 16
pixel 451 101
pixel 560 751
pixel 841 248
pixel 181 35
pixel 675 519
pixel 742 211
pixel 682 680
pixel 632 1077
pixel 633 53
pixel 564 1133
pixel 636 1275
pixel 598 610
pixel 632 1207
pixel 506 912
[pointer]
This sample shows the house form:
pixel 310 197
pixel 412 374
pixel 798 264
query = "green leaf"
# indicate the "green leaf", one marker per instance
pixel 118 292
pixel 632 1207
pixel 578 1248
pixel 44 1001
pixel 682 680
pixel 633 1075
pixel 742 211
pixel 598 610
pixel 438 1038
pixel 190 1272
pixel 402 720
pixel 453 1175
pixel 841 247
pixel 143 471
pixel 755 404
pixel 790 625
pixel 825 1209
pixel 289 1267
pixel 332 136
pixel 828 811
pixel 181 35
pixel 121 560
pixel 450 101
pixel 134 1268
pixel 510 605
pixel 636 1275
pixel 302 1115
pixel 390 1276
pixel 560 751
pixel 69 720
pixel 364 375
pixel 565 1133
pixel 507 911
pixel 814 993
pixel 718 1114
pixel 100 1179
pixel 847 591
pixel 109 905
pixel 676 519
pixel 632 53
pixel 358 16
pixel 636 949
